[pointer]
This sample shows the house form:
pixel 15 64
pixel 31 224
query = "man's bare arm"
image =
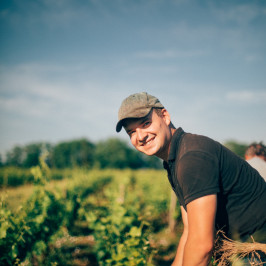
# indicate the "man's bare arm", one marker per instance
pixel 180 250
pixel 201 218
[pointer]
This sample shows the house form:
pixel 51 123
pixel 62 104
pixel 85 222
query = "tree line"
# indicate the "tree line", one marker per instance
pixel 110 153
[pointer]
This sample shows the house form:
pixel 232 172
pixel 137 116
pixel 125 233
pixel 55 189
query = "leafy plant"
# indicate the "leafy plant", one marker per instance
pixel 37 220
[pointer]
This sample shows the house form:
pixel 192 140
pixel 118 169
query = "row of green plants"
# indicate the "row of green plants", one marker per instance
pixel 15 176
pixel 120 224
pixel 30 229
pixel 126 215
pixel 121 209
pixel 122 216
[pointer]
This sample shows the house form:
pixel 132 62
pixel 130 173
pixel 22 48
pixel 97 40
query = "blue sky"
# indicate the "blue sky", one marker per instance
pixel 66 65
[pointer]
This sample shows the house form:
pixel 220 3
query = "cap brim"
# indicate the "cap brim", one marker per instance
pixel 119 126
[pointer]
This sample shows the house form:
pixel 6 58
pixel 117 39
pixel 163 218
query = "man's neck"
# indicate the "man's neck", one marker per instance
pixel 164 155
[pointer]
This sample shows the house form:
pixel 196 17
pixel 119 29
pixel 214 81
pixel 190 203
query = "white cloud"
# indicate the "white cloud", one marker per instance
pixel 246 96
pixel 242 14
pixel 168 54
pixel 32 90
pixel 35 80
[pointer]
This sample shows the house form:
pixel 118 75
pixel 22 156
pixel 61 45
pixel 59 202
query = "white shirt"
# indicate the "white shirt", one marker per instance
pixel 259 164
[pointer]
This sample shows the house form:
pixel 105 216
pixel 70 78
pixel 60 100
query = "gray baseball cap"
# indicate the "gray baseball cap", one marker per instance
pixel 136 106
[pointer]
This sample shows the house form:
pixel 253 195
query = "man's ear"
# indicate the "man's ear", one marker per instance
pixel 166 117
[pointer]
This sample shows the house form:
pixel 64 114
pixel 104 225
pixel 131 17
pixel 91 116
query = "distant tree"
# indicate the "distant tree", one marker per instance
pixel 82 153
pixel 72 154
pixel 60 156
pixel 32 153
pixel 113 153
pixel 26 156
pixel 15 156
pixel 236 147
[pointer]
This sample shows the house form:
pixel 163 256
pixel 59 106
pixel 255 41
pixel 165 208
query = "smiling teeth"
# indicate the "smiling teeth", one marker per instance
pixel 148 142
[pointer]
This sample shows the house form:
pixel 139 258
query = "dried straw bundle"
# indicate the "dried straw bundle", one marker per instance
pixel 227 251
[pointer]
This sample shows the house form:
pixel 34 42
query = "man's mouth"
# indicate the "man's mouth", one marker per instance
pixel 148 142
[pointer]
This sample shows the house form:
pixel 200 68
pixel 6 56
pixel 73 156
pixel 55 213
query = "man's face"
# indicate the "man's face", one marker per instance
pixel 151 134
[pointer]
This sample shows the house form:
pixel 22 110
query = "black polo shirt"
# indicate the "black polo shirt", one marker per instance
pixel 198 166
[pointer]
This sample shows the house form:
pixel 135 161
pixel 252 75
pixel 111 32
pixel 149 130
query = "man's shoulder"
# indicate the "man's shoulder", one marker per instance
pixel 198 143
pixel 185 142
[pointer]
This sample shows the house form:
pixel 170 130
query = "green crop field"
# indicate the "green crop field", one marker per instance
pixel 87 217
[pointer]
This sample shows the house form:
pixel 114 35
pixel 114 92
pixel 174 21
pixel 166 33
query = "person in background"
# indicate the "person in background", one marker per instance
pixel 217 190
pixel 255 155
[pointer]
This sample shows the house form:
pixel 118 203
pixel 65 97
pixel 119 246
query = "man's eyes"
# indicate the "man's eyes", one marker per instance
pixel 147 123
pixel 143 125
pixel 130 133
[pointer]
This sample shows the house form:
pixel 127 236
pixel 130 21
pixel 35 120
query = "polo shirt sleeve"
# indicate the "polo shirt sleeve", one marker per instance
pixel 198 175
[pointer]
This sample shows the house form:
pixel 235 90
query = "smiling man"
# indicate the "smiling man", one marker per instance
pixel 215 188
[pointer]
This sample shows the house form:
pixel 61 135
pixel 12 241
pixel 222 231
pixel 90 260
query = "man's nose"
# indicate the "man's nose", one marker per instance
pixel 141 134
